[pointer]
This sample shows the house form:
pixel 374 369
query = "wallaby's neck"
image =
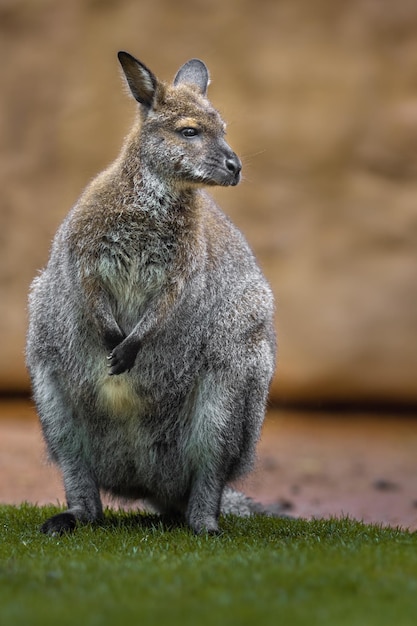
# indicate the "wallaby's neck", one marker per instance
pixel 158 196
pixel 152 194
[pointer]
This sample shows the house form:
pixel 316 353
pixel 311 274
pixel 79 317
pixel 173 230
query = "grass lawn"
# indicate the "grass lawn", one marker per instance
pixel 133 570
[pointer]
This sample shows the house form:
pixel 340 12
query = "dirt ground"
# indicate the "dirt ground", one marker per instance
pixel 312 464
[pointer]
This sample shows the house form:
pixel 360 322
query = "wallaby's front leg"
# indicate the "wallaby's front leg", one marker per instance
pixel 122 357
pixel 98 305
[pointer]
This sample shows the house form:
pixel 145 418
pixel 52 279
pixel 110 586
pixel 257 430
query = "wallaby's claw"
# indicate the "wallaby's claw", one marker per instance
pixel 121 359
pixel 115 365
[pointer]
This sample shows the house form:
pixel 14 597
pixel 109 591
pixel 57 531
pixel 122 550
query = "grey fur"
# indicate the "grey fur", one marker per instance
pixel 151 343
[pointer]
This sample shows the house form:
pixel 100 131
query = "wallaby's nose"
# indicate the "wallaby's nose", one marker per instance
pixel 234 166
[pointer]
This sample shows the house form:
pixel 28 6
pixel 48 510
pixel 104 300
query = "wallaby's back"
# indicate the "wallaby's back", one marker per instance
pixel 151 343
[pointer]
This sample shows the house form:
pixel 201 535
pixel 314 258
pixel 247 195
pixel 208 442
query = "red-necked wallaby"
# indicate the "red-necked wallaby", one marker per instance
pixel 151 342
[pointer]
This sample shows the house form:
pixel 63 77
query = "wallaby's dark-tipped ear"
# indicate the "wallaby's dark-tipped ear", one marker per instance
pixel 140 79
pixel 194 73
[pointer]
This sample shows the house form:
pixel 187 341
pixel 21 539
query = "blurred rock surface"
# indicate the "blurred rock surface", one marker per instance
pixel 321 100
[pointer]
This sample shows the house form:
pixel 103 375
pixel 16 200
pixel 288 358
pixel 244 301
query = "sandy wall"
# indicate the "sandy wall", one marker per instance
pixel 321 100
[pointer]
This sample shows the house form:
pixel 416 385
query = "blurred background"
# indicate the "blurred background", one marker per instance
pixel 320 97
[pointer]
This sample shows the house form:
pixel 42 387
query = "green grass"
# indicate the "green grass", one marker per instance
pixel 259 571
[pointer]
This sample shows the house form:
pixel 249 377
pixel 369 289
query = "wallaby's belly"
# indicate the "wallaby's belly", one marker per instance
pixel 136 452
pixel 141 468
pixel 117 397
pixel 147 449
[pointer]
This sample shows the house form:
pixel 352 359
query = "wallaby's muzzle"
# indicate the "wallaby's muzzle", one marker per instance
pixel 234 166
pixel 222 169
pixel 228 167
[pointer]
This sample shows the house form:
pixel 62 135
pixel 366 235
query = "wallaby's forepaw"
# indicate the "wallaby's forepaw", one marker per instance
pixel 59 524
pixel 122 358
pixel 113 337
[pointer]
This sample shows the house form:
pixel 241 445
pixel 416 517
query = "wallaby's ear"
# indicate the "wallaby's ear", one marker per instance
pixel 194 73
pixel 140 79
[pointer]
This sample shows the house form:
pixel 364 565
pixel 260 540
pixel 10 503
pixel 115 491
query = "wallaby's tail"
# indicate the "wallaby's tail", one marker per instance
pixel 237 503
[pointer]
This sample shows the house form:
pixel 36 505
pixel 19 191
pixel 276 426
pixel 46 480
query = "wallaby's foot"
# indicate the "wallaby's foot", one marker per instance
pixel 59 524
pixel 203 523
pixel 204 526
pixel 122 358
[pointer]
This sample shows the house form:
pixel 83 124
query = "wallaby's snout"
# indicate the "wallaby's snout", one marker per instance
pixel 234 166
pixel 224 165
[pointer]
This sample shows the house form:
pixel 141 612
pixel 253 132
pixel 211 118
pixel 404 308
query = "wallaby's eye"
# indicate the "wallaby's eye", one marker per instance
pixel 189 132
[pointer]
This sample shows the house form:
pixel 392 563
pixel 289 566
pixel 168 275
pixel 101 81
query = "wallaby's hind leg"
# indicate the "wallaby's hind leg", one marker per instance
pixel 203 509
pixel 214 449
pixel 66 448
pixel 238 422
pixel 83 500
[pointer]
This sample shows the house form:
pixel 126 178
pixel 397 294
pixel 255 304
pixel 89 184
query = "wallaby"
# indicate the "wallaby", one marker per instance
pixel 151 342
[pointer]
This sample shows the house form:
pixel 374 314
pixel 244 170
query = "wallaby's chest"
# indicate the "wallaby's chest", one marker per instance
pixel 135 264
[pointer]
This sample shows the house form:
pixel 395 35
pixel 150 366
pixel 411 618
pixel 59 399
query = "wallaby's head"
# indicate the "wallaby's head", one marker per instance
pixel 181 137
